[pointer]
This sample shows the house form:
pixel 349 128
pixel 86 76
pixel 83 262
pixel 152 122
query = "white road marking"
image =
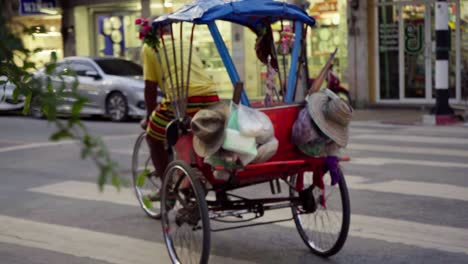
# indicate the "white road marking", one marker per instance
pixel 375 124
pixel 80 242
pixel 64 142
pixel 391 230
pixel 409 129
pixel 36 145
pixel 126 196
pixel 449 239
pixel 89 191
pixel 416 139
pixel 409 150
pixel 444 191
pixel 361 131
pixel 383 161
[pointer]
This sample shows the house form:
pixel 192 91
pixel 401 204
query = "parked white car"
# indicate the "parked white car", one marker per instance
pixel 114 87
pixel 6 97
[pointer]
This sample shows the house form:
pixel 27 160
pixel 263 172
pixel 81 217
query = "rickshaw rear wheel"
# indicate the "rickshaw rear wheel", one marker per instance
pixel 184 214
pixel 325 230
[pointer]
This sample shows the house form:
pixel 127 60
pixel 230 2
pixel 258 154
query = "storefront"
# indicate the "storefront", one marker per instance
pixel 405 51
pixel 107 29
pixel 331 32
pixel 44 20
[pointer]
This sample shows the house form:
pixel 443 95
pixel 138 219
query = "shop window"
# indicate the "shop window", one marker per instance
pixel 464 48
pixel 388 52
pixel 47 36
pixel 330 33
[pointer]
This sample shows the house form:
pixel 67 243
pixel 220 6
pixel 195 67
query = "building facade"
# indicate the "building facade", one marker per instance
pixel 403 51
pixel 386 48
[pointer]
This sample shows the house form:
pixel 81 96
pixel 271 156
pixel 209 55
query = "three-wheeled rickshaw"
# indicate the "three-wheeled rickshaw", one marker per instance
pixel 321 216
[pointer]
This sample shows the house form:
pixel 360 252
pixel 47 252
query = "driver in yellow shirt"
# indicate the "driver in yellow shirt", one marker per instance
pixel 201 93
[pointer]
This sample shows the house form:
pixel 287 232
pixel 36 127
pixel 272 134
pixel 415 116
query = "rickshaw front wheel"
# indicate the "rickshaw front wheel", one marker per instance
pixel 145 183
pixel 325 229
pixel 184 214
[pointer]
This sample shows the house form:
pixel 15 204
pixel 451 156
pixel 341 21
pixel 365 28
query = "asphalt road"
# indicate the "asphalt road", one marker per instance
pixel 408 188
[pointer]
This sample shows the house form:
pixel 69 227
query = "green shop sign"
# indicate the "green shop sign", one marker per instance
pixel 414 38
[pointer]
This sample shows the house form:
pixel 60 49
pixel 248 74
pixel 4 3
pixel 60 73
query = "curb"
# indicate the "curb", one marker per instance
pixel 440 120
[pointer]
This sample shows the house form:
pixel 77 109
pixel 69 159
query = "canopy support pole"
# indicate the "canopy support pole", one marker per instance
pixel 291 87
pixel 227 60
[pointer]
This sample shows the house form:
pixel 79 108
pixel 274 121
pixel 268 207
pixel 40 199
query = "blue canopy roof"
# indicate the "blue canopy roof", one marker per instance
pixel 245 12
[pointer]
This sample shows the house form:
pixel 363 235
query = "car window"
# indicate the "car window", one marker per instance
pixel 81 67
pixel 119 67
pixel 62 68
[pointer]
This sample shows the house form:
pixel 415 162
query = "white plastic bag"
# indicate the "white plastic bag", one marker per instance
pixel 235 141
pixel 254 123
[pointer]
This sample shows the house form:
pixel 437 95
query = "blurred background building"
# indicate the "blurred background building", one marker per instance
pixel 386 47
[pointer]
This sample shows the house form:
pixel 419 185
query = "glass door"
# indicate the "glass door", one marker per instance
pixel 463 39
pixel 388 46
pixel 414 55
pixel 406 50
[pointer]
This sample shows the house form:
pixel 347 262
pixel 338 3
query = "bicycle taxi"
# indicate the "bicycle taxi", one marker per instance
pixel 316 189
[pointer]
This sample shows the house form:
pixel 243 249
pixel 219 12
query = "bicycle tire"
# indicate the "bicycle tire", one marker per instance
pixel 311 238
pixel 138 156
pixel 172 224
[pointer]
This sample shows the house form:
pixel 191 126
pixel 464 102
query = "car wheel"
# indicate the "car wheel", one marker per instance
pixel 117 107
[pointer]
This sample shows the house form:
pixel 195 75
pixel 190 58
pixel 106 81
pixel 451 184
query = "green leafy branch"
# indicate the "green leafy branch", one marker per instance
pixel 46 95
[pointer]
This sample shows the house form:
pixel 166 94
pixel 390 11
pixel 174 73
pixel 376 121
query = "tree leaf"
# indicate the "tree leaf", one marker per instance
pixel 27 103
pixel 77 107
pixel 61 134
pixel 29 65
pixel 141 178
pixel 16 93
pixel 115 181
pixel 147 202
pixel 53 57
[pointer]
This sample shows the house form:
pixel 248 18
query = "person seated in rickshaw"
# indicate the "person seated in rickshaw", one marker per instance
pixel 202 92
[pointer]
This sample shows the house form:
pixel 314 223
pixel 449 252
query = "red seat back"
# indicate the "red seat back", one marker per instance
pixel 283 118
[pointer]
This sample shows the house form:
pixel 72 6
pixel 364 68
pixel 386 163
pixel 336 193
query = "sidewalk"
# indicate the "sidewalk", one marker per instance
pixel 397 115
pixel 389 115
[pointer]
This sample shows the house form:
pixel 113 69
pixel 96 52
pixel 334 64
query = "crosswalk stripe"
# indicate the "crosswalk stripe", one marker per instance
pixel 383 161
pixel 449 239
pixel 416 139
pixel 390 230
pixel 88 191
pixel 80 242
pixel 362 131
pixel 444 191
pixel 126 196
pixel 409 150
pixel 60 143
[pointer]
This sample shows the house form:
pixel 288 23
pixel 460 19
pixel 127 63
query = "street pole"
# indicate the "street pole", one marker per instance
pixel 145 9
pixel 442 107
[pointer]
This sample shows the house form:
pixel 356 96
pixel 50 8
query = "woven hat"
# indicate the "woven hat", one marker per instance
pixel 208 129
pixel 331 114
